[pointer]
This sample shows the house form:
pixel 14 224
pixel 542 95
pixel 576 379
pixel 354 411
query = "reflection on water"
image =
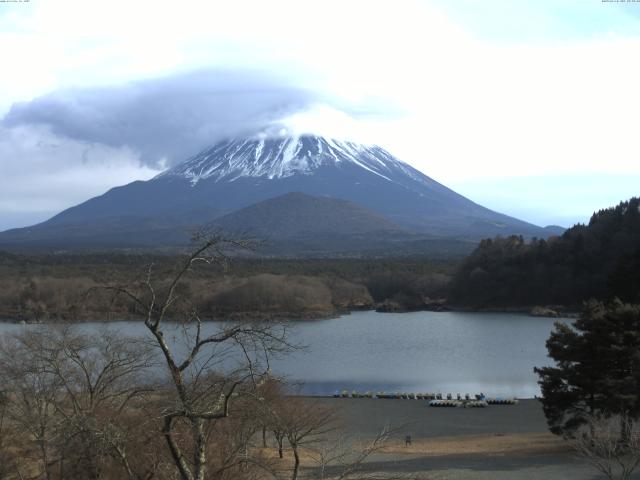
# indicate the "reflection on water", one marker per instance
pixel 443 352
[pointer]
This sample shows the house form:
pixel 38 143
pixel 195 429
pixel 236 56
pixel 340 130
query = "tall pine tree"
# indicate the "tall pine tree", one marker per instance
pixel 597 366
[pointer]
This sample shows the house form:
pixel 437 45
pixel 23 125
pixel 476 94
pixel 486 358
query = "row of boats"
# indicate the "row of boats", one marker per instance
pixel 474 403
pixel 435 399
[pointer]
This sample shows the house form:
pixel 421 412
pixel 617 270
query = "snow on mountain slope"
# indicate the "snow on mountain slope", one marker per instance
pixel 275 158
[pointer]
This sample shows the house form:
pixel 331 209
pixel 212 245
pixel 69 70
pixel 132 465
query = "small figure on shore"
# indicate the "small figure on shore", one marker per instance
pixel 407 440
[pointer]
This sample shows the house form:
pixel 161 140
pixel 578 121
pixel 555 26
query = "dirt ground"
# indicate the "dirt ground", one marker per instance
pixel 497 442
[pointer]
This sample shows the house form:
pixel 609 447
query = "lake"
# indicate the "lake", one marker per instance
pixel 446 352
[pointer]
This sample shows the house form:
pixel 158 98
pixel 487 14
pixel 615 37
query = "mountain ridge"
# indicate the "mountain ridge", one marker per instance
pixel 234 174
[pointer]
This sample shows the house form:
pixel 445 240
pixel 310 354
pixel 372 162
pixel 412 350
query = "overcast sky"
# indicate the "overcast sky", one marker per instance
pixel 527 107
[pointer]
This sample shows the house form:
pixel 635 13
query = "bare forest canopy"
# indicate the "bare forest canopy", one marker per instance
pixel 55 287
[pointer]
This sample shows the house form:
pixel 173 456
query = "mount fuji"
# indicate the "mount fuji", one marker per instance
pixel 336 183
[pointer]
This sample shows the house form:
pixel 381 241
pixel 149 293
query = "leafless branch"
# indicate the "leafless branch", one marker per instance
pixel 610 443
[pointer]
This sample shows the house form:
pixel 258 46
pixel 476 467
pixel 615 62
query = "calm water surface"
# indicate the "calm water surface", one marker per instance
pixel 447 352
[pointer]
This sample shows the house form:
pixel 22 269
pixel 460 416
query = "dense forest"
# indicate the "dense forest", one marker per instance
pixel 600 260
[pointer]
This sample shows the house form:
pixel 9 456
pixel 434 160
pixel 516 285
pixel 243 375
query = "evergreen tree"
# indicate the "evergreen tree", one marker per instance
pixel 597 366
pixel 599 260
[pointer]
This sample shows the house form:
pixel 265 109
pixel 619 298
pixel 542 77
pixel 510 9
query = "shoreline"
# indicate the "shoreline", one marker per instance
pixel 286 317
pixel 407 400
pixel 368 416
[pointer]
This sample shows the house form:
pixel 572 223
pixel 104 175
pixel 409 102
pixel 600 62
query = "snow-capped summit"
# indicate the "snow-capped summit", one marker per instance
pixel 275 158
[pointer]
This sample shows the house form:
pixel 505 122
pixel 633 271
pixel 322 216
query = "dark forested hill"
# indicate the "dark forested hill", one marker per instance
pixel 599 260
pixel 297 214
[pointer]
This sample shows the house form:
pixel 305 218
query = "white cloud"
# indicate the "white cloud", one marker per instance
pixel 495 111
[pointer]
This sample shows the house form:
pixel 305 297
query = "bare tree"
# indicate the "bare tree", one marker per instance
pixel 210 368
pixel 268 407
pixel 302 423
pixel 31 396
pixel 70 392
pixel 342 459
pixel 599 442
pixel 6 460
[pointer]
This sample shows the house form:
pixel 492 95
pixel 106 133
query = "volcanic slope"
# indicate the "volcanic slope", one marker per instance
pixel 237 173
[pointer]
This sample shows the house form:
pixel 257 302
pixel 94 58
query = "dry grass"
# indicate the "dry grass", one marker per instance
pixel 490 445
pixel 524 443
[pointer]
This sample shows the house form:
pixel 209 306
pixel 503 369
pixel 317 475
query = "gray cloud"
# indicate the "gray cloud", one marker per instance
pixel 168 118
pixel 43 173
pixel 69 145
